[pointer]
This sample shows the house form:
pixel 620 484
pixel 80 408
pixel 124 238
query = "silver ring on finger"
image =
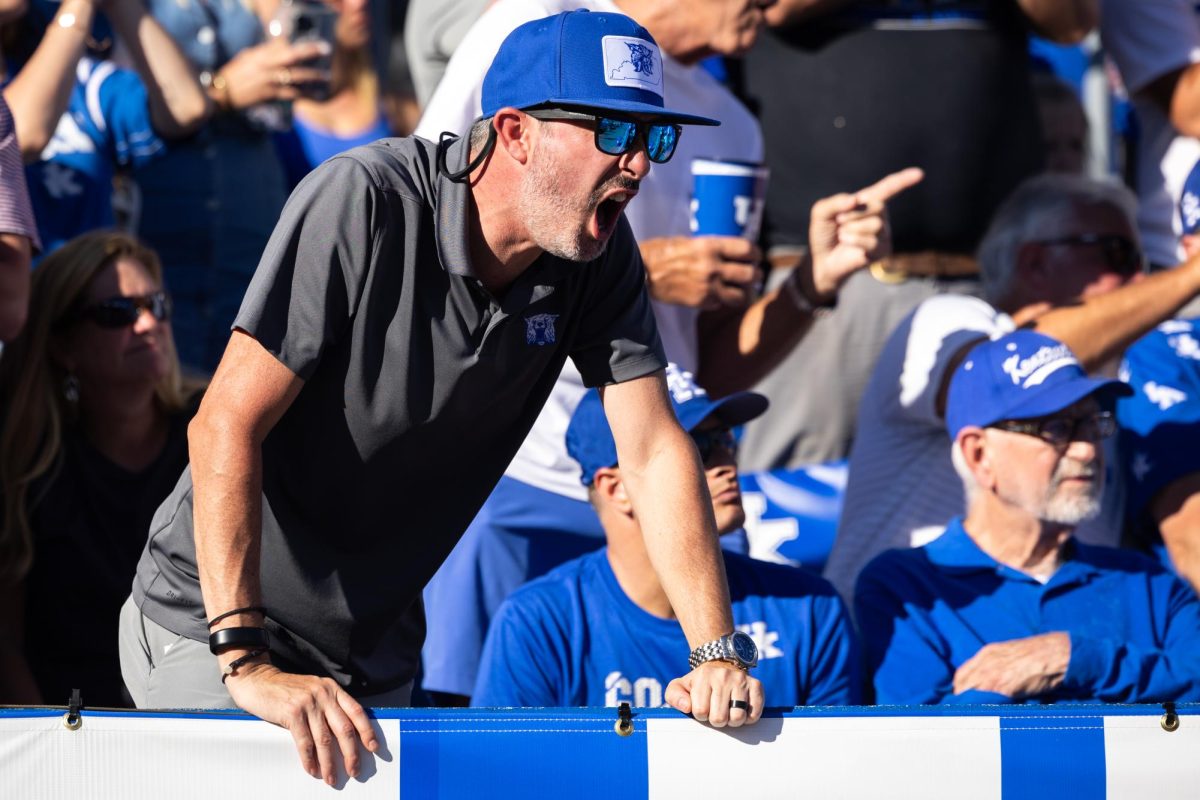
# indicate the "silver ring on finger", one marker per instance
pixel 284 77
pixel 744 705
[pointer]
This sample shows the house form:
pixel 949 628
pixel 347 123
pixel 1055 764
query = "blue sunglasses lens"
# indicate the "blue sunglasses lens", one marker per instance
pixel 616 136
pixel 661 141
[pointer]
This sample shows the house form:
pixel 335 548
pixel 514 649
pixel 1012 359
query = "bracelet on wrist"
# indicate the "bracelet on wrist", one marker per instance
pixel 238 637
pixel 245 610
pixel 232 667
pixel 802 302
pixel 218 88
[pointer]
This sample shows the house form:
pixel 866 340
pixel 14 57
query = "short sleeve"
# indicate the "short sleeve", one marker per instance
pixel 311 275
pixel 124 117
pixel 1149 38
pixel 1160 423
pixel 618 338
pixel 938 329
pixel 16 210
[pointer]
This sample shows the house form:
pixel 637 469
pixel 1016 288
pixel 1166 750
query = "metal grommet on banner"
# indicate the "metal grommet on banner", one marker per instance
pixel 1170 719
pixel 73 719
pixel 624 726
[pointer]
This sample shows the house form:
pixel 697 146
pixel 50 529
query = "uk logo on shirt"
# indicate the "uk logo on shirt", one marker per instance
pixel 539 329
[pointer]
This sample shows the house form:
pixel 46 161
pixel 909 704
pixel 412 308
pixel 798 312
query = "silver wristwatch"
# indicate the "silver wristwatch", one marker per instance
pixel 737 648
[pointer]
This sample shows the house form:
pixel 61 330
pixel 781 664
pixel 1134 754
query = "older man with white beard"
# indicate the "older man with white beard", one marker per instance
pixel 1006 606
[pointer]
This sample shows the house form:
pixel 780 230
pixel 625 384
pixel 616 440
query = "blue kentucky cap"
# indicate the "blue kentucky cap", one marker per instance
pixel 590 441
pixel 581 58
pixel 1023 375
pixel 1189 202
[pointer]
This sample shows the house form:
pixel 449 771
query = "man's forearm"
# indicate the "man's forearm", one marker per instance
pixel 15 255
pixel 672 504
pixel 1100 329
pixel 739 347
pixel 227 514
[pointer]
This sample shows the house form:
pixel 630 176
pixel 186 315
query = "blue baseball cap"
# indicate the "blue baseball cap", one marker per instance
pixel 590 441
pixel 581 58
pixel 1023 375
pixel 1189 202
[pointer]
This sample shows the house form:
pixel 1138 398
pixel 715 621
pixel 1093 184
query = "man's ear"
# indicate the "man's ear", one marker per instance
pixel 972 444
pixel 611 489
pixel 513 131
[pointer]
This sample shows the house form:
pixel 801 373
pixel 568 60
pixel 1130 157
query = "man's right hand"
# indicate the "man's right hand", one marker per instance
pixel 705 272
pixel 318 713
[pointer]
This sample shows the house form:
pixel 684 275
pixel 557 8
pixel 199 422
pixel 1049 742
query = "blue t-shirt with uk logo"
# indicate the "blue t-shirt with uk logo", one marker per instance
pixel 1160 423
pixel 106 125
pixel 574 638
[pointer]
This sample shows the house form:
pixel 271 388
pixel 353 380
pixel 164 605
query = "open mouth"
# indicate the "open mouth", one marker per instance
pixel 609 211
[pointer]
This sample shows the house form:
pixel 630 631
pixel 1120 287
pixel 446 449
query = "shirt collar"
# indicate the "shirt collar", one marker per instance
pixel 956 551
pixel 453 222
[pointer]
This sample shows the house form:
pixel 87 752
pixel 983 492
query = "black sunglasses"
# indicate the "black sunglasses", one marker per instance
pixel 616 136
pixel 1120 253
pixel 1062 430
pixel 707 442
pixel 119 312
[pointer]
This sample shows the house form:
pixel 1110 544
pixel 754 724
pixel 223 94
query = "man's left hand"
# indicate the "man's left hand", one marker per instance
pixel 1017 668
pixel 708 691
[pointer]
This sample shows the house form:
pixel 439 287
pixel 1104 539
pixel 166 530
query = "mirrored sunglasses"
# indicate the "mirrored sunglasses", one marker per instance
pixel 616 136
pixel 118 312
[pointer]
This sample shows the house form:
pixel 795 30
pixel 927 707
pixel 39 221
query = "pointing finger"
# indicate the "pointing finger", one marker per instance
pixel 891 185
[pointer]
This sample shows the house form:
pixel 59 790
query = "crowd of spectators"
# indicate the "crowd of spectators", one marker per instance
pixel 999 344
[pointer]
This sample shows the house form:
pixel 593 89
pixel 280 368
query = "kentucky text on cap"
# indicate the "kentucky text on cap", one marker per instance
pixel 590 441
pixel 583 59
pixel 1023 375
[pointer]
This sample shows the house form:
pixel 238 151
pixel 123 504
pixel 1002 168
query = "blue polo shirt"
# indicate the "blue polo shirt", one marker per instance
pixel 1160 423
pixel 574 638
pixel 922 613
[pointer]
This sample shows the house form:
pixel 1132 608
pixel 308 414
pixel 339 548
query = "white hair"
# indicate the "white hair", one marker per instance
pixel 1036 210
pixel 970 485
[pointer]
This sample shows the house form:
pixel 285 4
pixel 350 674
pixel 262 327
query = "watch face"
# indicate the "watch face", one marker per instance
pixel 745 648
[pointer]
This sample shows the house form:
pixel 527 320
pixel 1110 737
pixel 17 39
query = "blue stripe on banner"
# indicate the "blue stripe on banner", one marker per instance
pixel 522 754
pixel 1052 757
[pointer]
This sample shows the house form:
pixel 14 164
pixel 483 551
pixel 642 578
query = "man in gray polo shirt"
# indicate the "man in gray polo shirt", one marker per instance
pixel 409 316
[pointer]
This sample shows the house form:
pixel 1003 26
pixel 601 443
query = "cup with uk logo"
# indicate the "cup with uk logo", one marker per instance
pixel 727 197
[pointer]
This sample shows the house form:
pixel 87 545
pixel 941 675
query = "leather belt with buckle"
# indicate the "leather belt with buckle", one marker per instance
pixel 899 267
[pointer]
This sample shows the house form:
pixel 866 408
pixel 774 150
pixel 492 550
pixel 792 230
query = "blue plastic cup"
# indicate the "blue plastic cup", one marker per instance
pixel 727 197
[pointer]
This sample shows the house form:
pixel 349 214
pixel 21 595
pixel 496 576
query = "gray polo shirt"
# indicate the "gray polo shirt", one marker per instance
pixel 419 388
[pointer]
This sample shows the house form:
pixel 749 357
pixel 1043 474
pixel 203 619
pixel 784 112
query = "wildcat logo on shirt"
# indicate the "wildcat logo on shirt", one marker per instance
pixel 539 329
pixel 1032 371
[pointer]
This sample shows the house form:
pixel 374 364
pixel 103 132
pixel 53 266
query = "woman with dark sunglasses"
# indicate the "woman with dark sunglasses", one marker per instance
pixel 93 418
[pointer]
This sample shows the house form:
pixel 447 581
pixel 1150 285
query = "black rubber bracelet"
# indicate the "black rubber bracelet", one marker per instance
pixel 238 637
pixel 246 610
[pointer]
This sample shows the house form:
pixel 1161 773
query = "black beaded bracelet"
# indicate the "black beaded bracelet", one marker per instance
pixel 238 637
